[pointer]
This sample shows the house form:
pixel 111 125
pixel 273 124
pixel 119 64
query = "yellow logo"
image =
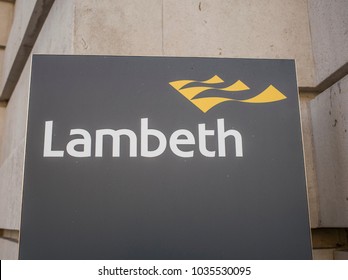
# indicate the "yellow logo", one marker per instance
pixel 270 94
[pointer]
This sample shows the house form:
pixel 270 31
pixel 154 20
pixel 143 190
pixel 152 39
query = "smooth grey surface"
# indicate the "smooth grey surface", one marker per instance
pixel 254 207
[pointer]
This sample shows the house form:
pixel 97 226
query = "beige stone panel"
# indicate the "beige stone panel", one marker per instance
pixel 329 29
pixel 6 16
pixel 8 250
pixel 12 155
pixel 123 27
pixel 311 176
pixel 2 122
pixel 323 254
pixel 329 112
pixel 11 181
pixel 16 117
pixel 2 53
pixel 341 255
pixel 240 28
pixel 56 36
pixel 22 13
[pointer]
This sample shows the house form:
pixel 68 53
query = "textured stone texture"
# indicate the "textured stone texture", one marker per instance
pixel 8 250
pixel 2 122
pixel 6 17
pixel 311 176
pixel 341 255
pixel 250 29
pixel 329 31
pixel 197 28
pixel 2 53
pixel 12 155
pixel 16 117
pixel 323 254
pixel 22 13
pixel 330 130
pixel 54 38
pixel 120 27
pixel 11 181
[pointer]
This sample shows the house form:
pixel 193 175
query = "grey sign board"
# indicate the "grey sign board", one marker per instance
pixel 163 158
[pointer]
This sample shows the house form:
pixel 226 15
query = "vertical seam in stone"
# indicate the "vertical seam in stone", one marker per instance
pixel 73 32
pixel 311 44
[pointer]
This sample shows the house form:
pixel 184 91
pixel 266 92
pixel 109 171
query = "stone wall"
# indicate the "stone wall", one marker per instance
pixel 313 32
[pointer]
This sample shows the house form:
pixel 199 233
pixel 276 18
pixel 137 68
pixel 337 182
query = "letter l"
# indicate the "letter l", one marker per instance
pixel 48 142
